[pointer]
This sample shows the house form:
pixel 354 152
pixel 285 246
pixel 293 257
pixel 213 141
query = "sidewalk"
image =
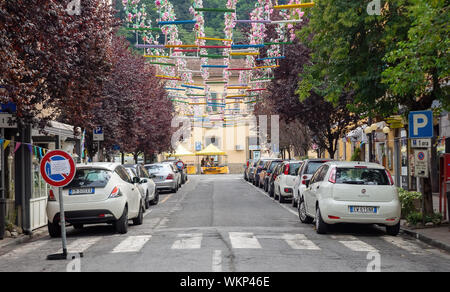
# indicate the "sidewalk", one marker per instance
pixel 435 236
pixel 22 238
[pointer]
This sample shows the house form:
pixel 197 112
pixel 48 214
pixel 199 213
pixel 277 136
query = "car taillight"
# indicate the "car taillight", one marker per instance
pixel 115 193
pixel 303 182
pixel 170 176
pixel 286 169
pixel 390 177
pixel 51 196
pixel 332 178
pixel 248 163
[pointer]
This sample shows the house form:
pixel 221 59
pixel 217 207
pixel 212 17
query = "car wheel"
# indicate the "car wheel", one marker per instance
pixel 78 226
pixel 54 229
pixel 121 224
pixel 140 218
pixel 281 199
pixel 294 202
pixel 147 201
pixel 304 218
pixel 321 226
pixel 155 199
pixel 393 230
pixel 271 194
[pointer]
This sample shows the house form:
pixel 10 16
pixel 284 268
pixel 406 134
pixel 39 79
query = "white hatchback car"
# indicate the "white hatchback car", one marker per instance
pixel 284 183
pixel 99 193
pixel 351 192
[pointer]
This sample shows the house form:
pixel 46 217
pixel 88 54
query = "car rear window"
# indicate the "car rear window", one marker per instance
pixel 293 168
pixel 90 178
pixel 313 166
pixel 156 168
pixel 361 176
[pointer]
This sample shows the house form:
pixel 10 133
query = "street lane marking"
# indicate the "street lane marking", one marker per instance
pixel 243 240
pixel 344 237
pixel 132 244
pixel 403 244
pixel 299 241
pixel 188 241
pixel 21 251
pixel 165 199
pixel 148 212
pixel 82 244
pixel 217 261
pixel 358 245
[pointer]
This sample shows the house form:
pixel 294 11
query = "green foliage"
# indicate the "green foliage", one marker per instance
pixel 414 218
pixel 407 199
pixel 356 155
pixel 436 218
pixel 348 47
pixel 421 62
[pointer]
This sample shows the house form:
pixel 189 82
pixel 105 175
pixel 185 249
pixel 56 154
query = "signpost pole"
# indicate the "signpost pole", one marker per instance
pixel 63 222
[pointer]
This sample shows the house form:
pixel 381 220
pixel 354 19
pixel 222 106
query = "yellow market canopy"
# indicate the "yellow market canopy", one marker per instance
pixel 181 151
pixel 210 150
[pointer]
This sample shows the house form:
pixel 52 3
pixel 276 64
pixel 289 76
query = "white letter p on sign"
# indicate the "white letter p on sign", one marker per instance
pixel 417 125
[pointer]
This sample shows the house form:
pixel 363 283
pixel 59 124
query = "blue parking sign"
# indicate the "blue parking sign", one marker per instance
pixel 420 124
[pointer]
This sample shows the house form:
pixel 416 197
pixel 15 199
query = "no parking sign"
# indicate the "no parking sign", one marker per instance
pixel 58 168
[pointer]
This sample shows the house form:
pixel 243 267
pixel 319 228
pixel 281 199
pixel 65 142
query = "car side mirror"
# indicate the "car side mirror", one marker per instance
pixel 136 180
pixel 307 183
pixel 144 181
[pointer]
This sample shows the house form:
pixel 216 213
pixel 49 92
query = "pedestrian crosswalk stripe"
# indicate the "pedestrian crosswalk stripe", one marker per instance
pixel 132 244
pixel 188 241
pixel 403 244
pixel 299 241
pixel 23 250
pixel 243 240
pixel 358 245
pixel 82 244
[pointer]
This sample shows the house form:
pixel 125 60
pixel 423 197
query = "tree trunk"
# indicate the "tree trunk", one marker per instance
pixel 427 197
pixel 123 157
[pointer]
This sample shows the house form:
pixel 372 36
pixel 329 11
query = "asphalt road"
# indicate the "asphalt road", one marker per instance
pixel 222 223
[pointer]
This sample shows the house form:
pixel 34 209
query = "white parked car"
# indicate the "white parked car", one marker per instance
pixel 305 173
pixel 284 183
pixel 147 185
pixel 99 193
pixel 351 192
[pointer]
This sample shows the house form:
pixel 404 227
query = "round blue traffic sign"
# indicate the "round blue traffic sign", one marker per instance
pixel 421 155
pixel 57 168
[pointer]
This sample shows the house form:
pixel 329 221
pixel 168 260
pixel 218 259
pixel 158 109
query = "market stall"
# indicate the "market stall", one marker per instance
pixel 210 163
pixel 181 152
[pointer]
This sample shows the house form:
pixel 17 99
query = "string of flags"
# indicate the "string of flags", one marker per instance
pixel 38 151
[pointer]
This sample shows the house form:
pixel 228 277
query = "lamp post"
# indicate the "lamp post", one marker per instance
pixel 368 132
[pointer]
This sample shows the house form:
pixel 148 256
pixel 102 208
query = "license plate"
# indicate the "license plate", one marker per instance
pixel 84 191
pixel 363 210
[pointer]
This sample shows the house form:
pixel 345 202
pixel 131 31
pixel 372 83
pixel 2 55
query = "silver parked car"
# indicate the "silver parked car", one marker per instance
pixel 165 176
pixel 147 185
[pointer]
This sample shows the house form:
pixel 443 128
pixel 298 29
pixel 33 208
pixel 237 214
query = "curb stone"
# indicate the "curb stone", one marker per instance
pixel 35 235
pixel 426 239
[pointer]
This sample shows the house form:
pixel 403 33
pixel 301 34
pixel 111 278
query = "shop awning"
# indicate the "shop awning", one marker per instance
pixel 210 150
pixel 181 151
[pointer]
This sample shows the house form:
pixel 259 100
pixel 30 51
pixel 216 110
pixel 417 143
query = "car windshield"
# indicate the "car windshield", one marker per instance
pixel 293 168
pixel 362 176
pixel 90 178
pixel 313 166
